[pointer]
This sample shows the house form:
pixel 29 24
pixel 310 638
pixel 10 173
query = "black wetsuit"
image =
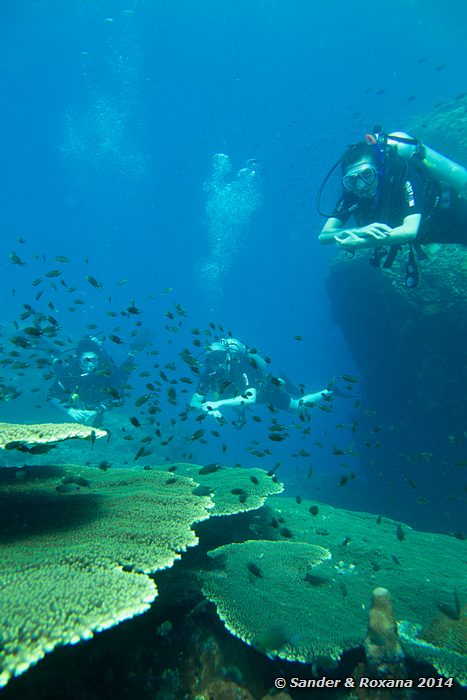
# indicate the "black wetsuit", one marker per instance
pixel 92 391
pixel 225 381
pixel 406 187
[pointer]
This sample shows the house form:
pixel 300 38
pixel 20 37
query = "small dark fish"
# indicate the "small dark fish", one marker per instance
pixel 285 532
pixel 237 492
pixel 142 399
pixel 316 581
pixel 344 590
pixel 104 465
pixel 254 480
pixel 81 481
pixel 349 378
pixel 254 569
pixel 400 532
pixel 95 283
pixel 201 491
pixel 343 480
pixel 20 342
pixel 271 641
pixel 298 337
pixel 62 259
pixel 197 435
pixel 142 452
pixel 135 421
pixel 277 437
pixel 67 488
pixel 116 339
pixel 379 519
pixel 209 469
pixel 53 273
pixel 16 260
pixel 242 498
pixel 345 541
pixel 313 510
pixel 33 331
pixel 396 560
pixel 298 499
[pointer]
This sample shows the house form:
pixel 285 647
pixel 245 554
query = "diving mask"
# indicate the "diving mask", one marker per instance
pixel 360 180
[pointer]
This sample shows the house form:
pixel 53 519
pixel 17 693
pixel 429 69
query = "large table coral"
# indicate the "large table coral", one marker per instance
pixel 76 545
pixel 22 436
pixel 323 612
pixel 232 490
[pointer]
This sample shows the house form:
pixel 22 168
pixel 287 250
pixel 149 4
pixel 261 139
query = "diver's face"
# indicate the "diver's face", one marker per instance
pixel 361 179
pixel 88 362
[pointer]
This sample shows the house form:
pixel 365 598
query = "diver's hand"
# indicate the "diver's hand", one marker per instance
pixel 211 407
pixel 364 237
pixel 81 416
pixel 374 230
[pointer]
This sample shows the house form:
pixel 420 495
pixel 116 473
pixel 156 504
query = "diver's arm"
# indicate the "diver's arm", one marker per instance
pixel 407 232
pixel 309 400
pixel 249 397
pixel 354 237
pixel 330 230
pixel 376 235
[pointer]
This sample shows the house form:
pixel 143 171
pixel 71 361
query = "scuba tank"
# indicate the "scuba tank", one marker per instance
pixel 441 167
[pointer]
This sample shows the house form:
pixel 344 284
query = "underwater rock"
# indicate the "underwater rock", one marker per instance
pixel 409 347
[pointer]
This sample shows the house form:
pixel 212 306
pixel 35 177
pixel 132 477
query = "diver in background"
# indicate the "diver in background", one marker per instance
pixel 397 199
pixel 89 382
pixel 236 377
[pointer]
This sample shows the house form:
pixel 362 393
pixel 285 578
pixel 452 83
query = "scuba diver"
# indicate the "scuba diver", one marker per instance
pixel 88 382
pixel 237 377
pixel 399 192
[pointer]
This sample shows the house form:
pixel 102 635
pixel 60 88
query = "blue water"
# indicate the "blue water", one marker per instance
pixel 111 113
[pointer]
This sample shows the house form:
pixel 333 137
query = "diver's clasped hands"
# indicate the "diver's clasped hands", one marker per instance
pixel 212 408
pixel 363 237
pixel 81 416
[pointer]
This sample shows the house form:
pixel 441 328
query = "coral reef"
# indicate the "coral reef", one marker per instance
pixel 367 552
pixel 232 490
pixel 18 436
pixel 263 594
pixel 441 643
pixel 75 545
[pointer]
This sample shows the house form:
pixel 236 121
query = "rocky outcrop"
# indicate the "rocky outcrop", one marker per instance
pixel 410 349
